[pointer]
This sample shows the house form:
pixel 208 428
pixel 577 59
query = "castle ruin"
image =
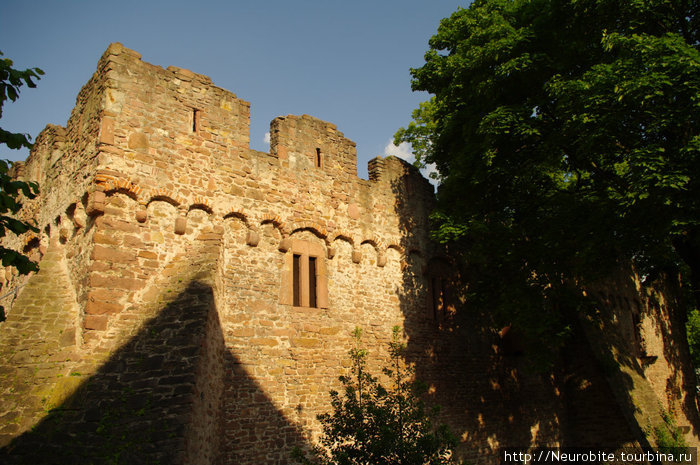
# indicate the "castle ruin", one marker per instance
pixel 196 298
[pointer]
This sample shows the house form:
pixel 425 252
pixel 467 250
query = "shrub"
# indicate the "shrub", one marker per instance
pixel 370 424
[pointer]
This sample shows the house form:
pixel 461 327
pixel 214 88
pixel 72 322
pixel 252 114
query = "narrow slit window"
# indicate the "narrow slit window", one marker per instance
pixel 195 120
pixel 312 282
pixel 318 158
pixel 296 279
pixel 437 297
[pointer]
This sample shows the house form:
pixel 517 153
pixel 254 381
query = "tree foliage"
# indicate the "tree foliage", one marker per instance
pixel 692 327
pixel 11 190
pixel 566 134
pixel 373 425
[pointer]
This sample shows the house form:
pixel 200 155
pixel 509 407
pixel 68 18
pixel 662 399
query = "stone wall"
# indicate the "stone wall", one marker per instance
pixel 214 289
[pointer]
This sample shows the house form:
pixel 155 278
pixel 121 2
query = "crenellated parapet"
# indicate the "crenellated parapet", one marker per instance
pixel 152 159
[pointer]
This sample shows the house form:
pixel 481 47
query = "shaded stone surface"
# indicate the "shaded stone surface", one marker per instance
pixel 38 347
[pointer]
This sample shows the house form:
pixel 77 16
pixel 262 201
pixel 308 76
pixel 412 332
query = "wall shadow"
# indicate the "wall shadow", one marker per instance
pixel 490 395
pixel 640 344
pixel 158 400
pixel 676 351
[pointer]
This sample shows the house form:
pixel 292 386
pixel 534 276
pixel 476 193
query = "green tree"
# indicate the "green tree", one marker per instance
pixel 566 135
pixel 692 327
pixel 372 425
pixel 11 80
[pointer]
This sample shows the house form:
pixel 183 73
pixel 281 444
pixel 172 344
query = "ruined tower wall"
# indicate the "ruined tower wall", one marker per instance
pixel 169 129
pixel 176 147
pixel 165 165
pixel 308 144
pixel 164 189
pixel 63 163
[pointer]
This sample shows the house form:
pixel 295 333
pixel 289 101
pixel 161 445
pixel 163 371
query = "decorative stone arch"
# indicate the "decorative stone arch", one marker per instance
pixel 271 234
pixel 201 203
pixel 122 190
pixel 199 207
pixel 252 236
pixel 342 235
pixel 110 183
pixel 374 242
pixel 413 261
pixel 318 230
pixel 413 253
pixel 195 207
pixel 239 215
pixel 395 246
pixel 377 245
pixel 394 253
pixel 122 186
pixel 163 195
pixel 277 222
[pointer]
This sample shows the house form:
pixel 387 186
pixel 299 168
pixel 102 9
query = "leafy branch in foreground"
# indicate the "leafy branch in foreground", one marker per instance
pixel 11 80
pixel 370 424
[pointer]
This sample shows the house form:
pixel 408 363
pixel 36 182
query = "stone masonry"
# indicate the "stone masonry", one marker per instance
pixel 196 298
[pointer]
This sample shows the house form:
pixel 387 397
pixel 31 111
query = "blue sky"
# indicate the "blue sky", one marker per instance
pixel 346 62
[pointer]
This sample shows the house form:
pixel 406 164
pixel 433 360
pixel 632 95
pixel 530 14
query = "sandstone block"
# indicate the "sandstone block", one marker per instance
pixel 141 216
pixel 253 238
pixel 285 245
pixel 102 238
pixel 112 282
pixel 307 343
pixel 243 332
pixel 147 254
pixel 180 225
pixel 107 131
pixel 95 322
pixel 354 211
pixel 263 341
pixel 105 295
pixel 112 255
pixel 96 204
pixel 97 307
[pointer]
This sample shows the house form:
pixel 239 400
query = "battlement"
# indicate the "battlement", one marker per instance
pixel 305 143
pixel 169 144
pixel 157 124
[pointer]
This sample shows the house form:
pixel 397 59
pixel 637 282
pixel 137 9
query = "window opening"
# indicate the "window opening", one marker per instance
pixel 437 296
pixel 305 279
pixel 318 158
pixel 195 120
pixel 312 282
pixel 296 278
